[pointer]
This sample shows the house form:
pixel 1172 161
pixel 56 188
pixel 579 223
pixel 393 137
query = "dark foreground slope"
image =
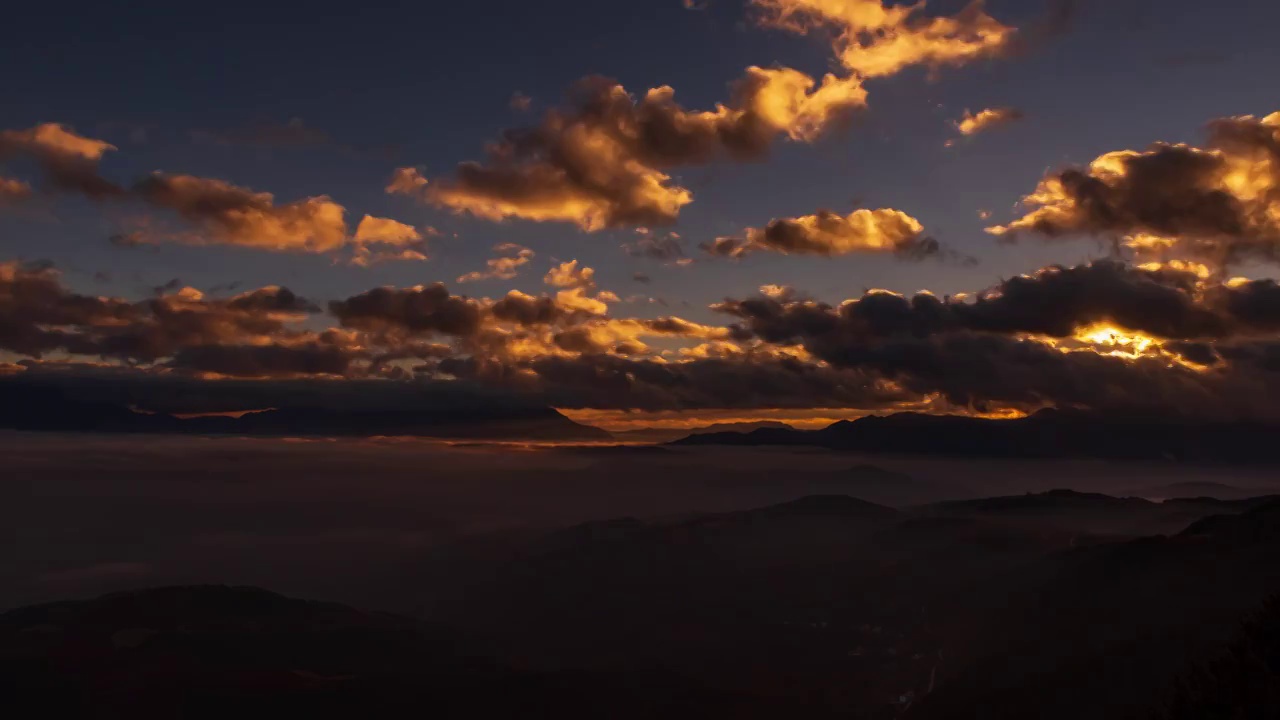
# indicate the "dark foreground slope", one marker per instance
pixel 1046 434
pixel 1243 682
pixel 867 608
pixel 219 652
pixel 1101 631
pixel 1046 605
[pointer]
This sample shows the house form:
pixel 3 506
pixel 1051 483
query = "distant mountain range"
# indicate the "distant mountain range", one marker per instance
pixel 34 407
pixel 659 434
pixel 1046 434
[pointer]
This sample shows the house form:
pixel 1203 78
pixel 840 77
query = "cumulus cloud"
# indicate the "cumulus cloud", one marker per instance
pixel 577 282
pixel 828 233
pixel 875 39
pixel 1220 203
pixel 983 120
pixel 1054 302
pixel 382 239
pixel 387 231
pixel 405 181
pixel 271 299
pixel 529 310
pixel 1102 336
pixel 570 275
pixel 39 315
pixel 601 160
pixel 227 214
pixel 68 160
pixel 511 257
pixel 232 215
pixel 428 309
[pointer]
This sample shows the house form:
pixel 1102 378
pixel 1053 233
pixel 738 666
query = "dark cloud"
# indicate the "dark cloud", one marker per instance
pixel 173 393
pixel 168 287
pixel 271 299
pixel 521 309
pixel 664 247
pixel 38 315
pixel 1220 203
pixel 309 359
pixel 69 161
pixel 1102 336
pixel 608 381
pixel 986 371
pixel 1053 302
pixel 422 309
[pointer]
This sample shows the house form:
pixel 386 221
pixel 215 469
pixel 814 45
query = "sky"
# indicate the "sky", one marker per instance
pixel 796 197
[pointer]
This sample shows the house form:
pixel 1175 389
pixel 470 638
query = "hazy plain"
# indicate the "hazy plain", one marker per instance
pixel 349 520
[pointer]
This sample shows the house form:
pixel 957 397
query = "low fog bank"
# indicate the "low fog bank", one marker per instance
pixel 351 520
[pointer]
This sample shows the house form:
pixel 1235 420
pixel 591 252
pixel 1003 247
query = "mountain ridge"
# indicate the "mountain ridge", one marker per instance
pixel 1046 434
pixel 38 408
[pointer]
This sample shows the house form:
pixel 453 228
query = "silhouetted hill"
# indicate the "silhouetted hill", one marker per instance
pixel 1046 434
pixel 1094 512
pixel 819 607
pixel 33 406
pixel 1189 489
pixel 1052 500
pixel 218 652
pixel 1101 631
pixel 1241 683
pixel 658 435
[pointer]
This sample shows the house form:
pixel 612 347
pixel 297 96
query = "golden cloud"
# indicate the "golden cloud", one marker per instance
pixel 233 215
pixel 601 161
pixel 503 267
pixel 385 231
pixel 974 123
pixel 69 160
pixel 55 139
pixel 406 181
pixel 569 275
pixel 1220 203
pixel 829 234
pixel 873 39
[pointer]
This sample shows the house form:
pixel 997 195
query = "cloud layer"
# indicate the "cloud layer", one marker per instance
pixel 1103 336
